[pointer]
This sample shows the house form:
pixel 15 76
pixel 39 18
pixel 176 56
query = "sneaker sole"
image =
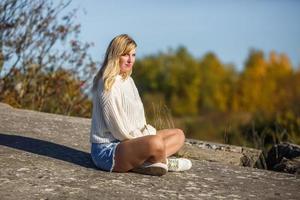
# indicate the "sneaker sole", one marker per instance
pixel 153 171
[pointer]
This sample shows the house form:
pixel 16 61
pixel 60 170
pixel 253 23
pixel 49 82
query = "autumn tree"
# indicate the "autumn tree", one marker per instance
pixel 36 40
pixel 264 83
pixel 268 90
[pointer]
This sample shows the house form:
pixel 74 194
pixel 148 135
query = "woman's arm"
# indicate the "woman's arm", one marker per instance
pixel 148 129
pixel 116 119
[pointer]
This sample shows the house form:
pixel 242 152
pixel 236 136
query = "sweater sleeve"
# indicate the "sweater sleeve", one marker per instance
pixel 148 129
pixel 116 119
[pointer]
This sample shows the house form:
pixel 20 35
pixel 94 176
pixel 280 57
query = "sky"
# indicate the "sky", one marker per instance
pixel 229 28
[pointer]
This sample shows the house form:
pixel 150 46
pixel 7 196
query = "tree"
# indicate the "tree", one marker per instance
pixel 217 82
pixel 182 83
pixel 264 85
pixel 269 91
pixel 36 38
pixel 251 97
pixel 174 79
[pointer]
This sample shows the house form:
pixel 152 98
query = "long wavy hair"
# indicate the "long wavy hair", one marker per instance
pixel 120 45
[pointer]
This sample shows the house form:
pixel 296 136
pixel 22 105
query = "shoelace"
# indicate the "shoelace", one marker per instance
pixel 173 164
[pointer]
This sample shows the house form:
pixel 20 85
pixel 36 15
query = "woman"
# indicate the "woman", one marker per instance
pixel 121 139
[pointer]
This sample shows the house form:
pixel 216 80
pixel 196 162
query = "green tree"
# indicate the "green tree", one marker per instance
pixel 217 84
pixel 173 77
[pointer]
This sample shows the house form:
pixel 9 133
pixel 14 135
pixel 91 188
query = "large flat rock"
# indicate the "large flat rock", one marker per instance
pixel 46 156
pixel 223 153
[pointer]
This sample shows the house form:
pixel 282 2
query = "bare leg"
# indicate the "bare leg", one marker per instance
pixel 154 148
pixel 133 153
pixel 173 139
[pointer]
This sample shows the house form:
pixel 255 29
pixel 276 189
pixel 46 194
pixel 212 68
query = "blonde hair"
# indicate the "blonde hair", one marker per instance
pixel 120 45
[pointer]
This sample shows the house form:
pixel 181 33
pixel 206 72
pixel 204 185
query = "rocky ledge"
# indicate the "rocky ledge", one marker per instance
pixel 46 156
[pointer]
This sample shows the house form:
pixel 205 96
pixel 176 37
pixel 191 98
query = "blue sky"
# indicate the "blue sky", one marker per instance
pixel 229 28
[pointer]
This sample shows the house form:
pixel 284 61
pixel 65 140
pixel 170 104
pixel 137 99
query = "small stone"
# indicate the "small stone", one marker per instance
pixel 49 190
pixel 23 169
pixel 209 179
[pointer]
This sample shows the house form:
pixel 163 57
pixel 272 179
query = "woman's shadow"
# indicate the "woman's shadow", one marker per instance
pixel 49 149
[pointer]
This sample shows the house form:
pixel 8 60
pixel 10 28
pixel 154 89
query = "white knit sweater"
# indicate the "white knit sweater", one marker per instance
pixel 118 114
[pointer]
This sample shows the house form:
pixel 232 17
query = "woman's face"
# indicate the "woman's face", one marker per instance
pixel 127 61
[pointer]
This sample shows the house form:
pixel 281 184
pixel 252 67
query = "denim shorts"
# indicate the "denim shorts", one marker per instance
pixel 103 155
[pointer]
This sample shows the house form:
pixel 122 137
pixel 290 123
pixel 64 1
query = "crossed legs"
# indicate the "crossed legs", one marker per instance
pixel 152 148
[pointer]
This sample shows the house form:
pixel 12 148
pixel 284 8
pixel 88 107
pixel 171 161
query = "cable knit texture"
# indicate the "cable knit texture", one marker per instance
pixel 118 114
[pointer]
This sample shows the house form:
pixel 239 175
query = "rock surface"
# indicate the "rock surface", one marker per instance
pixel 226 154
pixel 46 156
pixel 284 157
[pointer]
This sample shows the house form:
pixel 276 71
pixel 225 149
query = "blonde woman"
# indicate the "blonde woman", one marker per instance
pixel 121 140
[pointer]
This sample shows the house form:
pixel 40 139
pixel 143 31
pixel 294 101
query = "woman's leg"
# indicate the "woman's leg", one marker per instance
pixel 133 153
pixel 173 139
pixel 154 148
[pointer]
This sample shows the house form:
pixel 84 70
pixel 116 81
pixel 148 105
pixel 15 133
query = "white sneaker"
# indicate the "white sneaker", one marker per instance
pixel 154 169
pixel 178 164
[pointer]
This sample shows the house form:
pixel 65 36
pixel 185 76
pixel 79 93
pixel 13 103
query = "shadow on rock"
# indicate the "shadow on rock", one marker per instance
pixel 46 148
pixel 284 157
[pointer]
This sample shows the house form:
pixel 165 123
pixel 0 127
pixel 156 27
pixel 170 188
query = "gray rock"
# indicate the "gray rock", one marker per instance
pixel 227 154
pixel 46 156
pixel 291 166
pixel 284 157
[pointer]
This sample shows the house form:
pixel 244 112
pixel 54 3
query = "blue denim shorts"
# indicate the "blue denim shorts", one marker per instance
pixel 103 155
